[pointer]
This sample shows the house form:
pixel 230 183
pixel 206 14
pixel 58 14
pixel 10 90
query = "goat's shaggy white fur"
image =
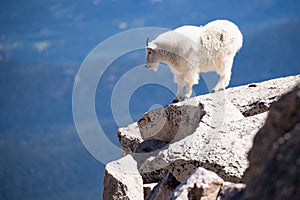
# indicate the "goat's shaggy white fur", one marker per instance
pixel 189 50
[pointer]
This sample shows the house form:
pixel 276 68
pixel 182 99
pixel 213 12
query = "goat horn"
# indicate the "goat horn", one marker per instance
pixel 147 41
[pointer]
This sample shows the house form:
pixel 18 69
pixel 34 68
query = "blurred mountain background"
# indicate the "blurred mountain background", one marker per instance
pixel 43 43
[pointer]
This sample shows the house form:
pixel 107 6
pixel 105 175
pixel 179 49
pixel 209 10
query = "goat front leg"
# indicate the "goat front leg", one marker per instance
pixel 191 79
pixel 180 84
pixel 225 75
pixel 189 90
pixel 220 84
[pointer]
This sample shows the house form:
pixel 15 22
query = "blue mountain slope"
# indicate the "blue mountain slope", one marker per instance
pixel 70 30
pixel 267 54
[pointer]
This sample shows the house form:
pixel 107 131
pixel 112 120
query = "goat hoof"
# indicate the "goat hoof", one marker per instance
pixel 175 100
pixel 217 90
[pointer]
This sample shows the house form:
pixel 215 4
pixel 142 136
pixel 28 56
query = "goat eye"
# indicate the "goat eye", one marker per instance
pixel 149 52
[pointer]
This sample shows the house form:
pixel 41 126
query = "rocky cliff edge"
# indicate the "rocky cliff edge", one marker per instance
pixel 241 143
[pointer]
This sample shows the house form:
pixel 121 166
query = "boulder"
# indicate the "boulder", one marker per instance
pixel 129 138
pixel 215 132
pixel 148 187
pixel 171 122
pixel 164 188
pixel 231 191
pixel 256 98
pixel 122 180
pixel 201 184
pixel 283 117
pixel 274 159
pixel 249 99
pixel 222 149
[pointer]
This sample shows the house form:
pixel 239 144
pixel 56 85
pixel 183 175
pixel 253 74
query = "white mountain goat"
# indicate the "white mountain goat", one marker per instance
pixel 189 50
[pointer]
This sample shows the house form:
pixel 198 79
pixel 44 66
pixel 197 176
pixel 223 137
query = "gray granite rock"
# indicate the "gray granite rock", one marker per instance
pixel 274 159
pixel 164 188
pixel 122 180
pixel 213 131
pixel 148 187
pixel 222 150
pixel 171 122
pixel 282 118
pixel 249 99
pixel 129 138
pixel 256 98
pixel 213 127
pixel 231 191
pixel 201 184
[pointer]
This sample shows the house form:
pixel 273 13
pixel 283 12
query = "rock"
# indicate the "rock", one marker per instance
pixel 164 188
pixel 129 138
pixel 167 123
pixel 282 118
pixel 249 99
pixel 215 131
pixel 201 184
pixel 256 98
pixel 147 150
pixel 149 146
pixel 221 149
pixel 231 191
pixel 122 180
pixel 185 117
pixel 274 159
pixel 148 187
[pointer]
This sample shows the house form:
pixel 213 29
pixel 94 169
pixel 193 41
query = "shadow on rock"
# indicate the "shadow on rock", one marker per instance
pixel 172 123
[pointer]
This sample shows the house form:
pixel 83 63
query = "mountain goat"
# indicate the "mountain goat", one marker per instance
pixel 189 50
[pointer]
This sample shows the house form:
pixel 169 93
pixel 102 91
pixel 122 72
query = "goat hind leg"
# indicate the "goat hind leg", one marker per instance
pixel 189 90
pixel 225 76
